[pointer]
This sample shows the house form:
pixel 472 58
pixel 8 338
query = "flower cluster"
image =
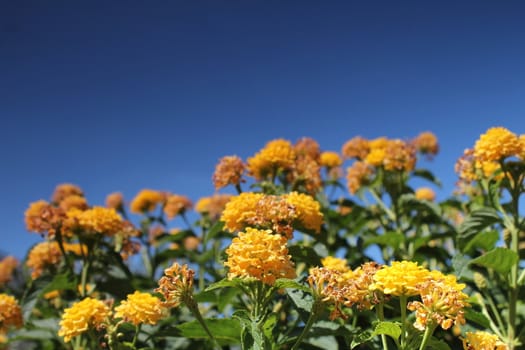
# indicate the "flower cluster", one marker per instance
pixel 146 201
pixel 176 285
pixel 140 308
pixel 7 266
pixel 228 171
pixel 213 206
pixel 10 313
pixel 176 205
pixel 482 341
pixel 81 316
pixel 277 155
pixel 261 255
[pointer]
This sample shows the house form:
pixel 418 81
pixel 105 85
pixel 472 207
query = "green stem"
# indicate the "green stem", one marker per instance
pixel 403 306
pixel 383 206
pixel 194 308
pixel 495 311
pixel 83 278
pixel 428 334
pixel 135 336
pixel 316 309
pixel 381 317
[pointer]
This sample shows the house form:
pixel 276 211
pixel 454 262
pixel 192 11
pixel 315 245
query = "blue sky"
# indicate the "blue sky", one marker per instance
pixel 125 95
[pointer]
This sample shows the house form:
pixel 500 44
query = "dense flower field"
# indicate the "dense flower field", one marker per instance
pixel 299 248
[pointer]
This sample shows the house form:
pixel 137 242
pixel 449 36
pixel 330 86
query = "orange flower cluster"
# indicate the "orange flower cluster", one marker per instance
pixel 43 218
pixel 82 316
pixel 176 205
pixel 140 308
pixel 425 193
pixel 43 255
pixel 95 220
pixel 10 313
pixel 229 171
pixel 147 200
pixel 276 212
pixel 277 155
pixel 358 175
pixel 7 266
pixel 176 285
pixel 213 206
pixel 260 255
pixel 115 201
pixel 426 143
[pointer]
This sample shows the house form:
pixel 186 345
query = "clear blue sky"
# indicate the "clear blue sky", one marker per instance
pixel 123 95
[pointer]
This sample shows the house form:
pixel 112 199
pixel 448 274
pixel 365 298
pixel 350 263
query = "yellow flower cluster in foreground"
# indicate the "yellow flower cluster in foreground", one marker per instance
pixel 81 316
pixel 140 308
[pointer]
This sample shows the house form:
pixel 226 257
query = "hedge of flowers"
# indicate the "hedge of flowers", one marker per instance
pixel 298 248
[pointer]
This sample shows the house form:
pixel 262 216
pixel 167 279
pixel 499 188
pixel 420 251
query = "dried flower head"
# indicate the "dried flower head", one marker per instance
pixel 261 255
pixel 176 285
pixel 426 143
pixel 307 147
pixel 325 285
pixel 140 308
pixel 480 340
pixel 146 200
pixel 276 156
pixel 358 175
pixel 177 204
pixel 273 212
pixel 10 313
pixel 7 266
pixel 425 193
pixel 82 316
pixel 356 289
pixel 305 175
pixel 42 217
pixel 228 171
pixel 496 144
pixel 399 156
pixel 400 278
pixel 357 147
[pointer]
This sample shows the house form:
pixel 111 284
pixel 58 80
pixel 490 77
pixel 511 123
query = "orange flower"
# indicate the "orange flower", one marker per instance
pixel 261 255
pixel 115 200
pixel 358 174
pixel 140 308
pixel 146 201
pixel 331 159
pixel 308 210
pixel 425 193
pixel 82 316
pixel 496 144
pixel 42 217
pixel 357 147
pixel 277 155
pixel 176 204
pixel 7 266
pixel 426 143
pixel 43 255
pixel 307 147
pixel 10 313
pixel 480 340
pixel 239 209
pixel 399 155
pixel 400 278
pixel 228 171
pixel 73 201
pixel 213 206
pixel 65 190
pixel 176 285
pixel 305 175
pixel 98 220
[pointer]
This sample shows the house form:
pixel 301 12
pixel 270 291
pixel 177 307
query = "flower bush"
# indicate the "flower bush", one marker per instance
pixel 298 248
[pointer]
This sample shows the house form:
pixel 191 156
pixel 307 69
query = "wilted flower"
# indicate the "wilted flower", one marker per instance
pixel 42 217
pixel 358 174
pixel 305 175
pixel 81 316
pixel 10 313
pixel 400 278
pixel 356 147
pixel 277 155
pixel 261 255
pixel 176 204
pixel 146 200
pixel 140 308
pixel 325 285
pixel 356 289
pixel 228 171
pixel 176 285
pixel 399 155
pixel 7 266
pixel 425 193
pixel 480 340
pixel 496 144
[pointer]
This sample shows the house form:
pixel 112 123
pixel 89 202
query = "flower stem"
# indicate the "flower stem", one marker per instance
pixel 428 334
pixel 403 306
pixel 316 308
pixel 194 308
pixel 381 316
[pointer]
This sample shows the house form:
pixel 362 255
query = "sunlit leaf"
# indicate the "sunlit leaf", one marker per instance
pixel 498 259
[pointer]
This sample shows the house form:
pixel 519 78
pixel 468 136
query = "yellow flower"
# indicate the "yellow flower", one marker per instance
pixel 308 210
pixel 426 143
pixel 480 340
pixel 380 142
pixel 43 255
pixel 65 190
pixel 490 170
pixel 115 200
pixel 357 175
pixel 228 171
pixel 336 264
pixel 521 155
pixel 99 220
pixel 356 147
pixel 176 285
pixel 7 266
pixel 213 206
pixel 400 278
pixel 376 157
pixel 10 313
pixel 425 193
pixel 261 255
pixel 277 155
pixel 146 201
pixel 176 204
pixel 239 209
pixel 81 316
pixel 330 159
pixel 140 308
pixel 496 144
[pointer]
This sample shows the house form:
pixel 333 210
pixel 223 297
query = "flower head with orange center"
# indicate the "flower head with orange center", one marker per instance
pixel 425 193
pixel 213 206
pixel 308 210
pixel 99 220
pixel 358 175
pixel 426 143
pixel 176 285
pixel 480 340
pixel 330 159
pixel 228 171
pixel 305 175
pixel 140 308
pixel 73 201
pixel 82 316
pixel 273 212
pixel 357 147
pixel 401 278
pixel 276 156
pixel 239 209
pixel 65 190
pixel 147 200
pixel 496 144
pixel 115 200
pixel 7 266
pixel 42 217
pixel 260 255
pixel 307 147
pixel 399 156
pixel 10 313
pixel 43 255
pixel 442 302
pixel 176 204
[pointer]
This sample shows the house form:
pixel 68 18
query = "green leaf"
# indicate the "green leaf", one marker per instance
pixel 427 175
pixel 301 299
pixel 498 259
pixel 387 328
pixel 390 239
pixel 226 330
pixel 308 255
pixel 477 221
pixel 437 344
pixel 225 283
pixel 60 282
pixel 214 230
pixel 476 317
pixel 361 338
pixel 460 265
pixel 289 283
pixel 485 240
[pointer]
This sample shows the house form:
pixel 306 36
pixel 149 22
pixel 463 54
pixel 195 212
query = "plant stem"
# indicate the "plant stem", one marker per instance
pixel 403 306
pixel 316 308
pixel 381 316
pixel 426 337
pixel 194 308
